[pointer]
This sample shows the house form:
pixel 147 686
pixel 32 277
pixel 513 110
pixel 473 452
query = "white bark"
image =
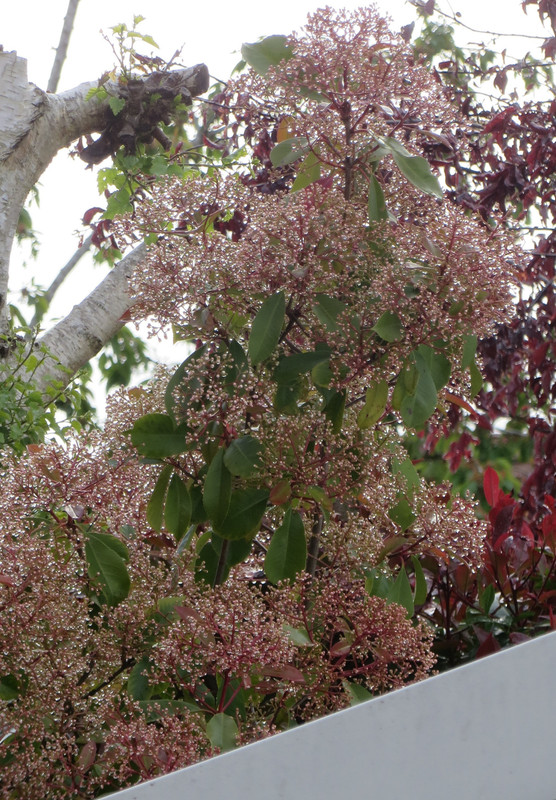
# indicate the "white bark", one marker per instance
pixel 34 126
pixel 89 325
pixel 62 49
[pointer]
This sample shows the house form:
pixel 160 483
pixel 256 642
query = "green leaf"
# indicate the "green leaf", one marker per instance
pixel 470 342
pixel 308 172
pixel 218 489
pixel 415 394
pixel 9 689
pixel 289 150
pixel 377 204
pixel 298 636
pixel 358 694
pixel 334 408
pixel 415 168
pixel 222 732
pixel 155 506
pixel 177 512
pixel 266 328
pixel 327 310
pixel 156 436
pixel 438 365
pixel 421 590
pixel 287 551
pixel 377 584
pixel 138 682
pixel 242 457
pixel 401 593
pixel 106 557
pixel 389 327
pixel 322 375
pixel 402 514
pixel 268 52
pixel 118 204
pixel 476 379
pixel 187 387
pixel 290 367
pixel 376 398
pixel 246 510
pixel 116 104
pixel 409 472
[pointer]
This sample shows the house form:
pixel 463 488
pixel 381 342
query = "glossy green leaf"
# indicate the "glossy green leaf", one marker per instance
pixel 287 551
pixel 308 172
pixel 289 150
pixel 177 512
pixel 376 583
pixel 138 681
pixel 470 342
pixel 389 327
pixel 415 168
pixel 334 408
pixel 9 688
pixel 402 514
pixel 106 557
pixel 376 204
pixel 357 693
pixel 401 593
pixel 222 731
pixel 156 436
pixel 246 510
pixel 376 398
pixel 217 489
pixel 438 365
pixel 266 328
pixel 476 379
pixel 409 472
pixel 242 457
pixel 421 590
pixel 327 310
pixel 298 636
pixel 268 52
pixel 155 506
pixel 416 405
pixel 291 367
pixel 322 375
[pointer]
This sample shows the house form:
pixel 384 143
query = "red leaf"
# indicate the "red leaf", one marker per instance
pixel 286 672
pixel 491 486
pixel 488 646
pixel 90 213
pixel 6 580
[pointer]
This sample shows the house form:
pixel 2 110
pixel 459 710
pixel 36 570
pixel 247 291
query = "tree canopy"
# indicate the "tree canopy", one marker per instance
pixel 268 532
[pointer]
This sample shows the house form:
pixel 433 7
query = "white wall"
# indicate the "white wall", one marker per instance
pixel 484 731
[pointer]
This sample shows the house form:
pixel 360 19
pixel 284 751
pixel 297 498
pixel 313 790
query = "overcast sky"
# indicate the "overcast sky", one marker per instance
pixel 210 32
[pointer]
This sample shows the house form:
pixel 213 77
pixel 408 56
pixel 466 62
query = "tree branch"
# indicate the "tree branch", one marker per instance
pixel 34 126
pixel 89 326
pixel 62 49
pixel 60 278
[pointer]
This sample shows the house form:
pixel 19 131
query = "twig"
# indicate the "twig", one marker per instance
pixel 61 276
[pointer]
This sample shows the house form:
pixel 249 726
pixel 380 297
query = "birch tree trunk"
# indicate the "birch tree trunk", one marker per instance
pixel 34 126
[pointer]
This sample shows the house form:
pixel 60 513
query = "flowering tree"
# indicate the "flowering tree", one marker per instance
pixel 242 548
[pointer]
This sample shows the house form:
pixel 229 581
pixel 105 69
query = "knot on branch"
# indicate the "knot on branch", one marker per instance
pixel 148 102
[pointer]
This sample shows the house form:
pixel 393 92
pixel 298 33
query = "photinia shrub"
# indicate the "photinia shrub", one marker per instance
pixel 247 543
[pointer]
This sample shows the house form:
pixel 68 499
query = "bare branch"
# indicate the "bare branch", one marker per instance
pixel 62 49
pixel 61 276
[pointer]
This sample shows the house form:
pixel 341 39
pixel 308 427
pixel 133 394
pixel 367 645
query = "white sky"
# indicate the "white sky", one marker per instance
pixel 211 32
